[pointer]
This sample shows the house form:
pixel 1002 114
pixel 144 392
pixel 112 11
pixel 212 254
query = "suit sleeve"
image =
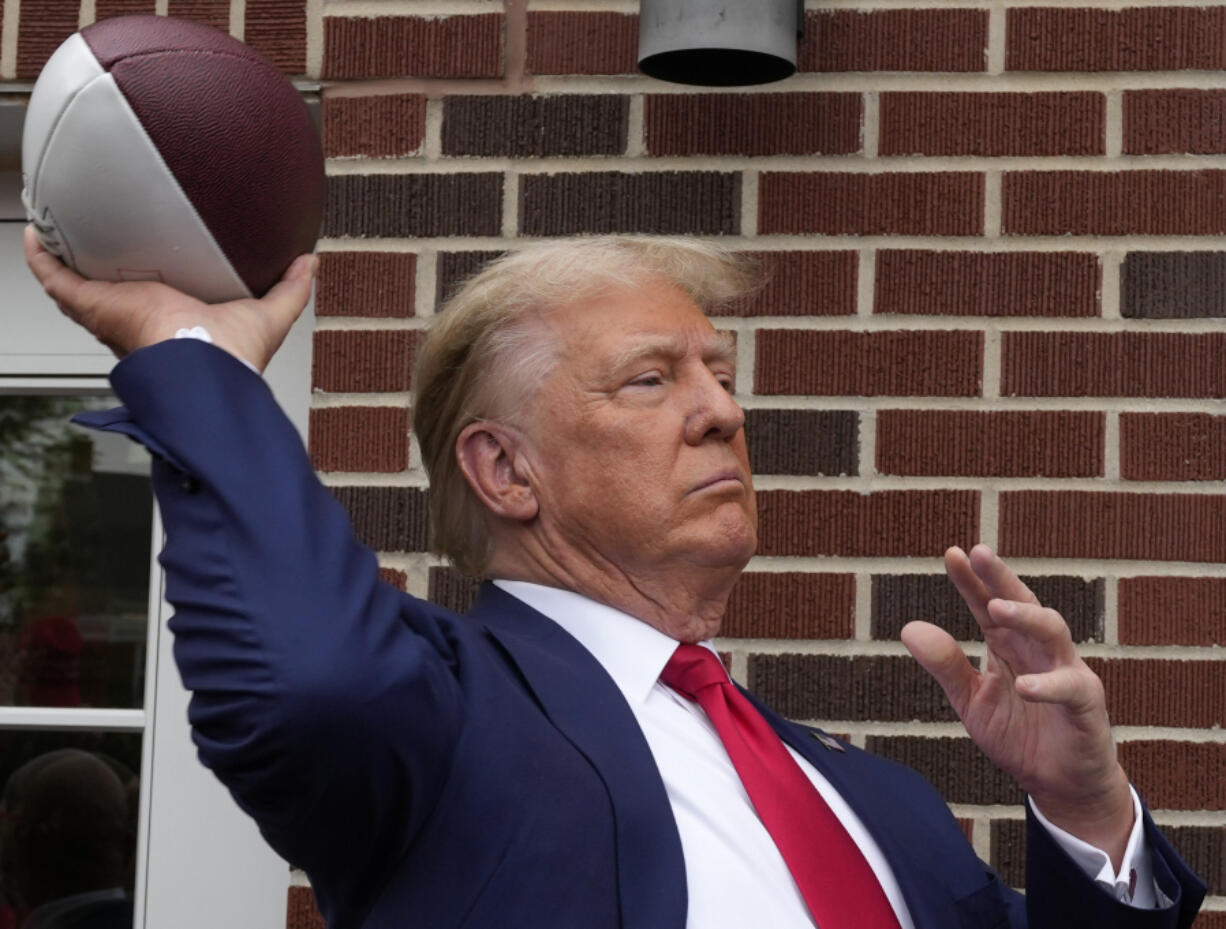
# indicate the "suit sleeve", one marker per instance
pixel 325 700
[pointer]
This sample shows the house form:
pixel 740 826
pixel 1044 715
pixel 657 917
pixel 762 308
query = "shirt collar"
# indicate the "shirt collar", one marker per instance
pixel 633 652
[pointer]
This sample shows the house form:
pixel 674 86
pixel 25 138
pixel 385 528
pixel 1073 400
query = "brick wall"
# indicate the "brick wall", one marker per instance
pixel 995 314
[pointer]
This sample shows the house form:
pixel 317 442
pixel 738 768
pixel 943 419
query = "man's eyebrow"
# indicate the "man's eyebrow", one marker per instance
pixel 721 347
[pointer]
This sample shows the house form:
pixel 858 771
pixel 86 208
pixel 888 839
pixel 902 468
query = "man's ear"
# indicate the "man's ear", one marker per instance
pixel 487 453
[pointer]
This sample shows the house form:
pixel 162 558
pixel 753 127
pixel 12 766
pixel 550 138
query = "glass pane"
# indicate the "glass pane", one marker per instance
pixel 68 817
pixel 76 513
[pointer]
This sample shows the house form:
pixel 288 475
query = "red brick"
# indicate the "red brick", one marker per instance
pixel 1161 122
pixel 852 524
pixel 418 46
pixel 1113 364
pixel 791 605
pixel 277 29
pixel 1172 447
pixel 658 202
pixel 1177 775
pixel 387 519
pixel 394 577
pixel 1161 37
pixel 1065 123
pixel 800 283
pixel 992 444
pixel 949 203
pixel 1148 692
pixel 1144 527
pixel 376 284
pixel 301 911
pixel 752 124
pixel 40 30
pixel 360 438
pixel 911 281
pixel 1113 203
pixel 215 13
pixel 582 43
pixel 380 126
pixel 903 364
pixel 105 9
pixel 1172 611
pixel 894 40
pixel 363 362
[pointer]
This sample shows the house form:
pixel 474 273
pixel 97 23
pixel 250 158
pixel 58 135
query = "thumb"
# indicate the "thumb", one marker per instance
pixel 290 295
pixel 939 654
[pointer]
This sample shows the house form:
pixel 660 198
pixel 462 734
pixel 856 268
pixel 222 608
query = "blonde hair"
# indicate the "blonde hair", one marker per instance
pixel 487 350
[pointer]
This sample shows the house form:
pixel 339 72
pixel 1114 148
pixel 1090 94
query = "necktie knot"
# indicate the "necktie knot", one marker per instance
pixel 691 668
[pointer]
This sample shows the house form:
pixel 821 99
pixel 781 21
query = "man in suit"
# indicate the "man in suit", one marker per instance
pixel 571 754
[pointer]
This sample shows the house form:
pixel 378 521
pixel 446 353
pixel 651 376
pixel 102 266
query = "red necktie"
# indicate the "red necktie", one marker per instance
pixel 838 885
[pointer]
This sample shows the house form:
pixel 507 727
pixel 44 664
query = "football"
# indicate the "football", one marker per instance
pixel 160 149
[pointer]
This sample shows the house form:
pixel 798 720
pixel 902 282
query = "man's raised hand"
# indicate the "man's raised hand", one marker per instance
pixel 1034 708
pixel 132 315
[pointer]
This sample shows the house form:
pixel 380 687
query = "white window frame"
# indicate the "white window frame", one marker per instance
pixel 201 861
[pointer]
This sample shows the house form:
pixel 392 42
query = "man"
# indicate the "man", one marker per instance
pixel 557 758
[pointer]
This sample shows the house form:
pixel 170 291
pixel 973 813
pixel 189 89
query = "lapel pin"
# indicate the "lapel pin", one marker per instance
pixel 829 743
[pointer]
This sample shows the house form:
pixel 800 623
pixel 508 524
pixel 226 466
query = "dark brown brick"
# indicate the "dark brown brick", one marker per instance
pixel 1173 775
pixel 1150 692
pixel 894 40
pixel 360 438
pixel 393 577
pixel 945 203
pixel 791 605
pixel 803 441
pixel 1172 611
pixel 909 363
pixel 852 524
pixel 856 688
pixel 277 29
pixel 802 283
pixel 1203 848
pixel 1161 37
pixel 661 202
pixel 916 282
pixel 752 124
pixel 410 205
pixel 1172 447
pixel 956 767
pixel 1173 285
pixel 105 9
pixel 387 519
pixel 1113 364
pixel 1113 203
pixel 453 268
pixel 535 126
pixel 1162 122
pixel 301 911
pixel 215 13
pixel 451 589
pixel 376 284
pixel 898 599
pixel 1145 527
pixel 990 444
pixel 355 361
pixel 582 43
pixel 357 47
pixel 378 125
pixel 1008 854
pixel 1055 123
pixel 40 30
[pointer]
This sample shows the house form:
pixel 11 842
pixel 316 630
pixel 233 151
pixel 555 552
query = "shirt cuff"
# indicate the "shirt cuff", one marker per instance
pixel 199 332
pixel 1134 882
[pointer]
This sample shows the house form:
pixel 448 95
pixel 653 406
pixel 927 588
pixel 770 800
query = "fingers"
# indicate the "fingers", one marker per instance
pixel 938 653
pixel 997 577
pixel 1079 689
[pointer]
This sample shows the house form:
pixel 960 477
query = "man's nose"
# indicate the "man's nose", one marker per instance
pixel 714 412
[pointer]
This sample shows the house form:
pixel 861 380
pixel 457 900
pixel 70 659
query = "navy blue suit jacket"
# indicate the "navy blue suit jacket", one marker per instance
pixel 434 771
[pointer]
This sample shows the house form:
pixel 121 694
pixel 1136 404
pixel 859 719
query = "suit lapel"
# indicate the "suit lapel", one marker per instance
pixel 586 706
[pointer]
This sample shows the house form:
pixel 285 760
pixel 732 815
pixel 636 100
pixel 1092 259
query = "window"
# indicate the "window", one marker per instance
pixel 85 659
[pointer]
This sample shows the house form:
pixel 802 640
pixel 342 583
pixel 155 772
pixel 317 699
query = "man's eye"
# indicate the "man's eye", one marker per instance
pixel 647 380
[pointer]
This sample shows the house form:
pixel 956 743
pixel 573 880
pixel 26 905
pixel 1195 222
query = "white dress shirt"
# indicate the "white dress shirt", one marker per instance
pixel 734 873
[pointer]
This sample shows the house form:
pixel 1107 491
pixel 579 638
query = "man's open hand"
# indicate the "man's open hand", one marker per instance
pixel 131 315
pixel 1034 708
